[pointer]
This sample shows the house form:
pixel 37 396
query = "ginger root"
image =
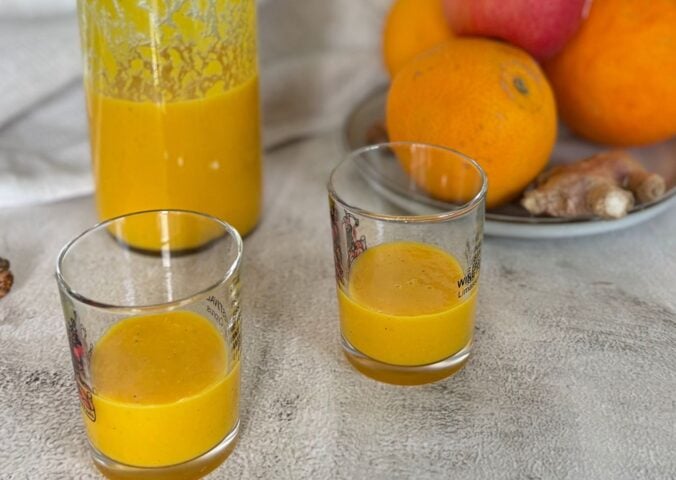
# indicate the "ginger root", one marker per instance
pixel 604 185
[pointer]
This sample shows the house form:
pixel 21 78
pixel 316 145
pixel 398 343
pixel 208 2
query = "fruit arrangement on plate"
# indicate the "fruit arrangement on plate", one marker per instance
pixel 498 79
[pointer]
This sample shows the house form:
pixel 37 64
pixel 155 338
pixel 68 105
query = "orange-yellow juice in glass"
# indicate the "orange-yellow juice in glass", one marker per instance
pixel 403 305
pixel 155 342
pixel 407 264
pixel 163 390
pixel 173 106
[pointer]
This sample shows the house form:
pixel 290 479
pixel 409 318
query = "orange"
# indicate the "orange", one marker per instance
pixel 484 98
pixel 615 82
pixel 411 27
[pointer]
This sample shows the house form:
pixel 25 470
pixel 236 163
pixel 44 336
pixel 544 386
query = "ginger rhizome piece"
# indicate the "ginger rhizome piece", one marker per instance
pixel 605 185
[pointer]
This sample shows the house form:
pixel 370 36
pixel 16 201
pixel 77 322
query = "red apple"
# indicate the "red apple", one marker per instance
pixel 541 27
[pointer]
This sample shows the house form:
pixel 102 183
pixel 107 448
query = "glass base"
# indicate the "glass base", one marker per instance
pixel 192 469
pixel 405 375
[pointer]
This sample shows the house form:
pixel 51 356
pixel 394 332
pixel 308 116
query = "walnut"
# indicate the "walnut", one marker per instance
pixel 6 277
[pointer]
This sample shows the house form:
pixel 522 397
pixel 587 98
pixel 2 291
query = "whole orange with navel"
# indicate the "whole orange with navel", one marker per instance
pixel 484 98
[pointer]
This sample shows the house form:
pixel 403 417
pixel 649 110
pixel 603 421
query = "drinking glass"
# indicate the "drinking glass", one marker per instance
pixel 154 338
pixel 407 223
pixel 173 106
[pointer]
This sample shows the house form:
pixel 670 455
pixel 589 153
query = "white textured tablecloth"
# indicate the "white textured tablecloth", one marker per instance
pixel 573 375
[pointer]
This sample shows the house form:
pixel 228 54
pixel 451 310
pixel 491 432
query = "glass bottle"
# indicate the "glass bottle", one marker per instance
pixel 173 106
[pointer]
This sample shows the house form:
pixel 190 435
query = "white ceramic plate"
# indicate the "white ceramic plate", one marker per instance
pixel 364 126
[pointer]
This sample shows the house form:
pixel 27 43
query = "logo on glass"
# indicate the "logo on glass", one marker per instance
pixel 79 354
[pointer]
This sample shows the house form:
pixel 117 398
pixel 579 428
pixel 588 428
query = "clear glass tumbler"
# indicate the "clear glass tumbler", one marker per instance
pixel 407 223
pixel 155 342
pixel 173 106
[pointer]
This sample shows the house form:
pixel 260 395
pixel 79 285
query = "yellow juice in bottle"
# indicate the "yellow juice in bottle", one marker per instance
pixel 201 155
pixel 173 106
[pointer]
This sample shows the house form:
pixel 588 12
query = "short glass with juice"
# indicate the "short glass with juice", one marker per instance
pixel 407 265
pixel 155 342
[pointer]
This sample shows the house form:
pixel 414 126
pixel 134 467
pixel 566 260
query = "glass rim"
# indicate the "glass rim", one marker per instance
pixel 442 216
pixel 65 286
